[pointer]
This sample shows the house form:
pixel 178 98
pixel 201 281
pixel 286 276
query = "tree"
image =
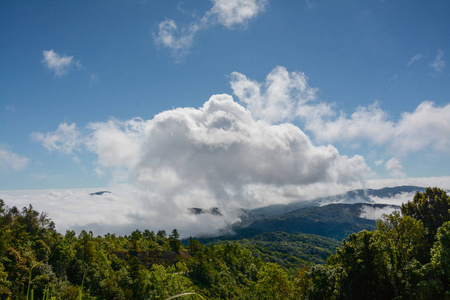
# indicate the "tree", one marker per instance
pixel 5 292
pixel 134 239
pixel 273 283
pixel 175 234
pixel 149 235
pixel 359 268
pixel 440 259
pixel 432 208
pixel 403 242
pixel 174 242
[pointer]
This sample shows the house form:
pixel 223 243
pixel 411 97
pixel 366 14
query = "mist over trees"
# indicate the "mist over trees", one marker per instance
pixel 406 257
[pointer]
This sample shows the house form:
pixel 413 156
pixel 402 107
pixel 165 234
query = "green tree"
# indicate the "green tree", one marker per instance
pixel 403 242
pixel 440 259
pixel 174 241
pixel 360 269
pixel 273 283
pixel 431 207
pixel 134 238
pixel 5 292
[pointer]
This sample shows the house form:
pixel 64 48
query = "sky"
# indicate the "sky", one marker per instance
pixel 221 103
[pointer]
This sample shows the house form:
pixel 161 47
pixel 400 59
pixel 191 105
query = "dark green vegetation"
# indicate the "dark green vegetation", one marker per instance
pixel 334 220
pixel 407 256
pixel 291 251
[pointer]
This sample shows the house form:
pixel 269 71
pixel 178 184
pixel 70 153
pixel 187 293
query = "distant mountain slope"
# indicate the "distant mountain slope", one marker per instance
pixel 334 220
pixel 356 196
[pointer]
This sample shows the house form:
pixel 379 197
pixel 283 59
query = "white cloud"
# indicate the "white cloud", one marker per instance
pixel 117 143
pixel 170 36
pixel 237 12
pixel 413 59
pixel 366 123
pixel 427 127
pixel 11 161
pixel 287 96
pixel 397 199
pixel 379 162
pixel 229 13
pixel 375 213
pixel 282 98
pixel 220 148
pixel 67 139
pixel 394 167
pixel 58 64
pixel 438 64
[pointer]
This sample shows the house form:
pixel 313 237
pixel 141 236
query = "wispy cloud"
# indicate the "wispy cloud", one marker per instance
pixel 57 63
pixel 66 139
pixel 394 167
pixel 178 40
pixel 438 64
pixel 10 160
pixel 379 162
pixel 413 59
pixel 10 108
pixel 229 13
pixel 93 80
pixel 232 13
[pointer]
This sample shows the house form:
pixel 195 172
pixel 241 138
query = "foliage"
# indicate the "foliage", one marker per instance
pixel 431 207
pixel 391 262
pixel 291 251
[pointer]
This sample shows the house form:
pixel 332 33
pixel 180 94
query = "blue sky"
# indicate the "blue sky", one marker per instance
pixel 374 74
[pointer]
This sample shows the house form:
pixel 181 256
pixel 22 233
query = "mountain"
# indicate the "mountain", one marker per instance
pixel 334 220
pixel 334 217
pixel 215 211
pixel 100 193
pixel 356 196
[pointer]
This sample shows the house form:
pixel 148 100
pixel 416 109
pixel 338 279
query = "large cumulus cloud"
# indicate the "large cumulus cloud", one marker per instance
pixel 221 149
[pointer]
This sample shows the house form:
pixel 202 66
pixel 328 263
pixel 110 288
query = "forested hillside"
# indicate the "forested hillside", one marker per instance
pixel 335 221
pixel 407 256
